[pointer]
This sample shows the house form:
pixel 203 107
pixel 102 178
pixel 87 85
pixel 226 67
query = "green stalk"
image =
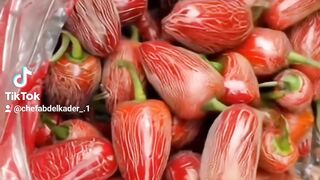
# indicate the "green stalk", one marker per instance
pixel 268 84
pixel 295 58
pixel 283 143
pixel 63 48
pixel 60 132
pixel 135 34
pixel 273 95
pixel 292 83
pixel 138 87
pixel 217 66
pixel 77 54
pixel 214 105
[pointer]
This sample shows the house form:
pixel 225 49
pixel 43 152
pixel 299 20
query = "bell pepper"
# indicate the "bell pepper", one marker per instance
pixel 240 82
pixel 278 152
pixel 141 133
pixel 117 82
pixel 96 23
pixel 188 84
pixel 293 90
pixel 183 165
pixel 232 147
pixel 284 13
pixel 197 24
pixel 269 51
pixel 84 158
pixel 73 77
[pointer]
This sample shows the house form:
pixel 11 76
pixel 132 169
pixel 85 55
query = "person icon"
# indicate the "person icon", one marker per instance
pixel 8 108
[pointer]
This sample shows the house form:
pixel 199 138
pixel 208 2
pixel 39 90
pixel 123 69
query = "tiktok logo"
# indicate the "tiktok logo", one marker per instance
pixel 20 80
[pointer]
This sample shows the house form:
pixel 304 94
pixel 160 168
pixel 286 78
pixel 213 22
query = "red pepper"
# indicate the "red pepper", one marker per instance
pixel 278 152
pixel 183 165
pixel 182 78
pixel 285 13
pixel 305 39
pixel 141 134
pixel 293 90
pixel 71 129
pixel 130 10
pixel 184 132
pixel 240 82
pixel 148 27
pixel 96 23
pixel 270 51
pixel 86 158
pixel 44 134
pixel 300 123
pixel 117 82
pixel 232 146
pixel 206 27
pixel 74 77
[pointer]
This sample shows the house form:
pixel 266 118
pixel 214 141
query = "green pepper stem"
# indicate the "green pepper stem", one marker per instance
pixel 77 55
pixel 292 83
pixel 138 87
pixel 60 132
pixel 135 34
pixel 296 58
pixel 63 48
pixel 283 142
pixel 217 66
pixel 45 119
pixel 275 95
pixel 268 84
pixel 214 105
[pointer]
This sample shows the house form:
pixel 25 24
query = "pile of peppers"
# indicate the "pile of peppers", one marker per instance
pixel 179 90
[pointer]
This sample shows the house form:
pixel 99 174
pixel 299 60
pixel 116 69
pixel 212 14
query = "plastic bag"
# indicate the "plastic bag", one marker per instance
pixel 29 30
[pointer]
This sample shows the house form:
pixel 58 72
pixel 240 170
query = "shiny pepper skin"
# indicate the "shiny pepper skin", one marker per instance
pixel 267 51
pixel 270 160
pixel 206 27
pixel 73 84
pixel 183 165
pixel 117 82
pixel 240 82
pixel 85 158
pixel 141 136
pixel 232 147
pixel 130 10
pixel 284 13
pixel 305 39
pixel 96 24
pixel 184 132
pixel 181 77
pixel 297 100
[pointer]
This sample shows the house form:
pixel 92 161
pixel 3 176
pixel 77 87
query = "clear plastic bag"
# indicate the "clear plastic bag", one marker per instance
pixel 29 30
